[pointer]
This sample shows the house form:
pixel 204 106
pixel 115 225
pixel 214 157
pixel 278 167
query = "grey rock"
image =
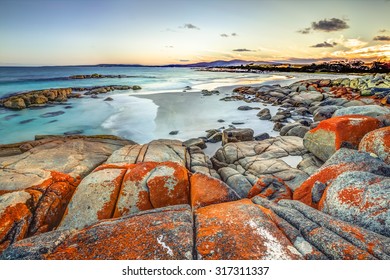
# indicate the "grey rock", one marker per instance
pixel 36 247
pixel 244 108
pixel 317 191
pixel 215 138
pixel 236 181
pixel 199 142
pixel 360 198
pixel 367 110
pixel 262 136
pixel 264 114
pixel 237 135
pixel 298 131
pixel 278 126
pixel 287 127
pixel 325 112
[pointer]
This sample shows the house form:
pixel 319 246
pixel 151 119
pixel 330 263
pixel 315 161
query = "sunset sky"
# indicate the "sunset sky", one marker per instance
pixel 154 32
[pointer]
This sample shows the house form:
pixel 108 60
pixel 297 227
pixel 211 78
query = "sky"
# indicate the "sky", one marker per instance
pixel 157 32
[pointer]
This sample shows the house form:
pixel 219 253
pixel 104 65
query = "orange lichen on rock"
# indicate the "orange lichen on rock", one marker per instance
pixel 377 142
pixel 168 185
pixel 161 234
pixel 239 230
pixel 94 199
pixel 36 209
pixel 206 190
pixel 270 187
pixel 348 128
pixel 14 223
pixel 351 196
pixel 57 192
pixel 114 166
pixel 304 192
pixel 153 185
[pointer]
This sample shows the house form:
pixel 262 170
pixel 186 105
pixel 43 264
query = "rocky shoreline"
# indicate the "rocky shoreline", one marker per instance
pixel 103 197
pixel 39 98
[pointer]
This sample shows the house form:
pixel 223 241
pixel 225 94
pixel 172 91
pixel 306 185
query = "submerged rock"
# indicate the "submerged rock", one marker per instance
pixel 52 114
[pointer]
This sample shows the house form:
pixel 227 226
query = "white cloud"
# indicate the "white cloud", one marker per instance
pixel 352 43
pixel 367 52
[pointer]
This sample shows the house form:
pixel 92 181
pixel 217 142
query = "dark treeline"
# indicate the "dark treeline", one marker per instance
pixel 355 66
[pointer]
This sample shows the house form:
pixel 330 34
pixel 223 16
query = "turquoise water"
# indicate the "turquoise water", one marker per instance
pixel 19 79
pixel 135 115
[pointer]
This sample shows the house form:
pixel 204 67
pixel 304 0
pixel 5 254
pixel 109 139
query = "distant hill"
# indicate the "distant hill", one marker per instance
pixel 217 63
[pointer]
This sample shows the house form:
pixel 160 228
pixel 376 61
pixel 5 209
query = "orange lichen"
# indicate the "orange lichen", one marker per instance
pixel 206 190
pixel 14 222
pixel 170 189
pixel 270 191
pixel 239 230
pixel 140 170
pixel 349 128
pixel 52 197
pixel 137 237
pixel 377 142
pixel 114 166
pixel 304 192
pixel 351 196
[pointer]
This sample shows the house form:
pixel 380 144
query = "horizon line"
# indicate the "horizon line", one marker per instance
pixel 297 62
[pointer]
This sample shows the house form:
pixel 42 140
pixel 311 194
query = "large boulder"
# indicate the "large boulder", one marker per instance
pixel 159 234
pixel 343 160
pixel 157 150
pixel 118 190
pixel 206 190
pixel 247 161
pixel 73 155
pixel 317 235
pixel 378 143
pixel 308 97
pixel 239 230
pixel 34 210
pixel 366 110
pixel 360 198
pixel 94 199
pixel 334 133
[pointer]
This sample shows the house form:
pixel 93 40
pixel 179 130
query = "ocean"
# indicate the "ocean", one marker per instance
pixel 161 106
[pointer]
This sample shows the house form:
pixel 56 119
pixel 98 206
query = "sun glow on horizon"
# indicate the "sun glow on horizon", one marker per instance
pixel 176 32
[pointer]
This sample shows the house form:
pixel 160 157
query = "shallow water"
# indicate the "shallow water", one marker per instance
pixel 141 116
